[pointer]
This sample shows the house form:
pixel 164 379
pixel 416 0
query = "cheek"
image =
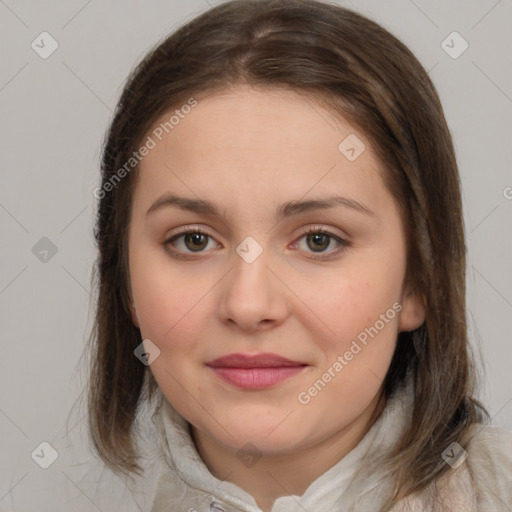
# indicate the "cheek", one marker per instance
pixel 362 311
pixel 168 300
pixel 353 369
pixel 344 306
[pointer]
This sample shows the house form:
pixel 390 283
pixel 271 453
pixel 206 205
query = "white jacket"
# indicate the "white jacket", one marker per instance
pixel 175 478
pixel 180 481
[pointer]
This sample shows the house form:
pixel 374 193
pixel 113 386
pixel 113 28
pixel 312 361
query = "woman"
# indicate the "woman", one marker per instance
pixel 330 376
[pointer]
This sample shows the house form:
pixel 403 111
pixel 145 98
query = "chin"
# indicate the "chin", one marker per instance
pixel 262 435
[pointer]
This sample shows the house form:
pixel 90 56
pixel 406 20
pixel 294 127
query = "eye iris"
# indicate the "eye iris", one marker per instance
pixel 317 238
pixel 196 239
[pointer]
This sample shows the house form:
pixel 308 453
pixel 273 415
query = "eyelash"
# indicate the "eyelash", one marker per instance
pixel 312 230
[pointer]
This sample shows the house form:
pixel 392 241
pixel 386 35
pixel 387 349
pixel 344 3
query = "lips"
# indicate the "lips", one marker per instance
pixel 258 371
pixel 253 361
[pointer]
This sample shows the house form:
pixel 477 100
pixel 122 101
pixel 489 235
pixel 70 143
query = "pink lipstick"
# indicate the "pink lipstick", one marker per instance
pixel 258 371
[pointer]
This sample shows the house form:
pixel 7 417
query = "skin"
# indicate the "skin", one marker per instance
pixel 249 151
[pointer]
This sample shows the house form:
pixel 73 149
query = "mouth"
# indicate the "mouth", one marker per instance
pixel 258 371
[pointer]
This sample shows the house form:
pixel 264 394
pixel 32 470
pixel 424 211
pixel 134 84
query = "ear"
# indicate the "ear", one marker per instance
pixel 133 313
pixel 413 311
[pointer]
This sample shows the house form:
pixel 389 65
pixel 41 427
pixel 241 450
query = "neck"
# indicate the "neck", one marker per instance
pixel 275 475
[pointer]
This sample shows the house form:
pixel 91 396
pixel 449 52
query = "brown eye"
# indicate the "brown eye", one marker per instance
pixel 196 241
pixel 318 241
pixel 188 242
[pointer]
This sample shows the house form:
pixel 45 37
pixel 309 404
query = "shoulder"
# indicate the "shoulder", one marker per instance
pixel 480 481
pixel 489 460
pixel 492 446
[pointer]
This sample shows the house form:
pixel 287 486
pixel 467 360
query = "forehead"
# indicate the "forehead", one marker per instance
pixel 250 119
pixel 258 143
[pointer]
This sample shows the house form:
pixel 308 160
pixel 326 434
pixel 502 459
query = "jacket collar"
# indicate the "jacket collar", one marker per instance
pixel 183 463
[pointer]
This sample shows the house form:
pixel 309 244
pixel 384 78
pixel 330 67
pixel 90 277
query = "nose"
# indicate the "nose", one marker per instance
pixel 253 296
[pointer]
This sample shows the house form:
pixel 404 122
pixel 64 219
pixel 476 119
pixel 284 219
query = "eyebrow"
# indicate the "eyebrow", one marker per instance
pixel 287 209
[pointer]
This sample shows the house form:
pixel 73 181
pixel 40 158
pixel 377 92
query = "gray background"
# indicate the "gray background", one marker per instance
pixel 54 115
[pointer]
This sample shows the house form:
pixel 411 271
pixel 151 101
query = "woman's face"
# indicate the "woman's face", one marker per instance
pixel 249 168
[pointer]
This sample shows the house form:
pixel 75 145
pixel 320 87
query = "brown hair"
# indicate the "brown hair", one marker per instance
pixel 356 68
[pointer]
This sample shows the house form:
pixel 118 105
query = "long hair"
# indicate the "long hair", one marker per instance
pixel 357 69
